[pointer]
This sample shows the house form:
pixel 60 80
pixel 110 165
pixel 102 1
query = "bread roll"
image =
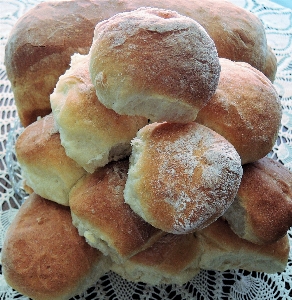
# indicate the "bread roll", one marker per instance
pixel 182 177
pixel 154 63
pixel 43 256
pixel 224 250
pixel 245 109
pixel 262 210
pixel 101 215
pixel 173 259
pixel 46 168
pixel 91 134
pixel 43 40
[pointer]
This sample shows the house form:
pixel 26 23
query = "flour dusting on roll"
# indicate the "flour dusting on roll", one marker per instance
pixel 182 177
pixel 154 63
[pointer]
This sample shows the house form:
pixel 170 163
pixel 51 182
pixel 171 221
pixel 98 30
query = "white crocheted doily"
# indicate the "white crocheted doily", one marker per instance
pixel 234 284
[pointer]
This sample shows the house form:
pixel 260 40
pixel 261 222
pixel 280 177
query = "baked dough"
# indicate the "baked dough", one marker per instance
pixel 101 215
pixel 245 109
pixel 91 134
pixel 154 63
pixel 262 209
pixel 182 177
pixel 46 168
pixel 44 257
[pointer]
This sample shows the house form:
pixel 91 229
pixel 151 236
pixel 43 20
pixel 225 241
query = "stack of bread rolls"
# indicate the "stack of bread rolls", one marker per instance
pixel 151 158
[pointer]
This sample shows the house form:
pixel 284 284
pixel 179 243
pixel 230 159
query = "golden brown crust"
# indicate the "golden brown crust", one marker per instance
pixel 97 200
pixel 154 63
pixel 45 166
pixel 182 177
pixel 35 57
pixel 174 258
pixel 265 194
pixel 43 255
pixel 223 250
pixel 91 134
pixel 245 109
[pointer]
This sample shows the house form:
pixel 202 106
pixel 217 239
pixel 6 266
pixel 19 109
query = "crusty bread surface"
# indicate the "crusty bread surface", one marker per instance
pixel 44 257
pixel 46 168
pixel 262 209
pixel 173 259
pixel 154 63
pixel 245 109
pixel 101 215
pixel 182 177
pixel 42 42
pixel 91 134
pixel 224 250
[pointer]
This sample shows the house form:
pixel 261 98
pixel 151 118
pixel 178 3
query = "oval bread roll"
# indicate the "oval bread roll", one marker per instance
pixel 46 168
pixel 245 109
pixel 262 209
pixel 43 40
pixel 44 257
pixel 182 177
pixel 154 63
pixel 91 134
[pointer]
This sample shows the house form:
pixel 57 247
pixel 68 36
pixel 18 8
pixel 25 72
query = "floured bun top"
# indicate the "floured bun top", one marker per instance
pixel 182 177
pixel 154 63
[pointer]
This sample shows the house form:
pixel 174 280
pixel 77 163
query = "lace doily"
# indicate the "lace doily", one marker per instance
pixel 234 284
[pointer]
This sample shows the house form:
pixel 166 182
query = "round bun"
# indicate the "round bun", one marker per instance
pixel 245 109
pixel 154 63
pixel 46 168
pixel 44 257
pixel 101 215
pixel 173 259
pixel 262 209
pixel 223 250
pixel 182 177
pixel 43 40
pixel 91 134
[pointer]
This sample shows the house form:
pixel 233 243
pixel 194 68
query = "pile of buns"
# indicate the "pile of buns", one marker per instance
pixel 145 145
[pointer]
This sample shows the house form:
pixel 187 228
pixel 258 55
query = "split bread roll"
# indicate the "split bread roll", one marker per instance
pixel 154 63
pixel 91 134
pixel 41 43
pixel 245 109
pixel 262 209
pixel 46 168
pixel 224 250
pixel 173 259
pixel 182 177
pixel 104 219
pixel 44 257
